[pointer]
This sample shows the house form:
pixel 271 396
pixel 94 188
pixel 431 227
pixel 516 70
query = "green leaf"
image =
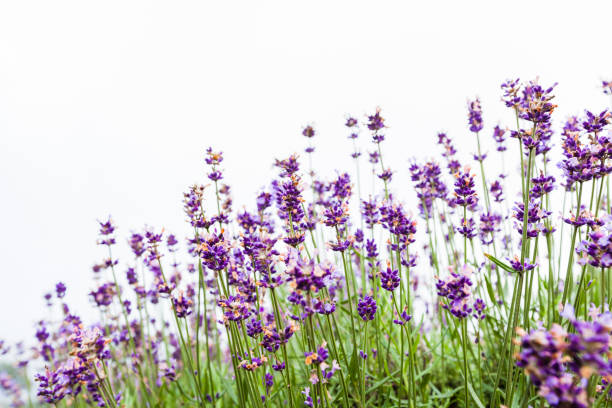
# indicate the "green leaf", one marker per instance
pixel 500 263
pixel 422 373
pixel 384 381
pixel 354 366
pixel 475 396
pixel 490 290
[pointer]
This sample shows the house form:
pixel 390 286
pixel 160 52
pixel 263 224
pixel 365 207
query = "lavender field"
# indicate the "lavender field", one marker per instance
pixel 494 291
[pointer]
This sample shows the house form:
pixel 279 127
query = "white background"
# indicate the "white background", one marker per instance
pixel 107 107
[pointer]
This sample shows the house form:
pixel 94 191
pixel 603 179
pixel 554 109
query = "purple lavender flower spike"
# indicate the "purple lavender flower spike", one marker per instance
pixel 475 115
pixel 366 307
pixel 60 290
pixel 498 136
pixel 457 290
pixel 389 279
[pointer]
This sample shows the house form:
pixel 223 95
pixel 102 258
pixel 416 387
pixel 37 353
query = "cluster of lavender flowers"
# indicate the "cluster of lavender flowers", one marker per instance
pixel 457 290
pixel 560 364
pixel 325 292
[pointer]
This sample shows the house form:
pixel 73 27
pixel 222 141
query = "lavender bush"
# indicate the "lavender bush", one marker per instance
pixel 495 293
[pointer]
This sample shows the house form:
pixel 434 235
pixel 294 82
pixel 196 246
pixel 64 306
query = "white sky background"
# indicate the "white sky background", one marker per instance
pixel 107 107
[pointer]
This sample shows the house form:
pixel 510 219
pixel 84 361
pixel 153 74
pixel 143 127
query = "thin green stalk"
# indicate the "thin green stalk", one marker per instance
pixel 363 367
pixel 570 262
pixel 465 366
pixel 279 324
pixel 350 301
pixel 482 175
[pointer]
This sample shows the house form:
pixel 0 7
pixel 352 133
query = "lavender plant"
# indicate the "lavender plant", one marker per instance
pixel 497 293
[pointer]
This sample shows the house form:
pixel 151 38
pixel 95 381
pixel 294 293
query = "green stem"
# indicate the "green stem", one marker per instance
pixel 570 262
pixel 465 366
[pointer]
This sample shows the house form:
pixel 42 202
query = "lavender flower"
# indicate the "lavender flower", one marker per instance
pixel 309 276
pixel 171 242
pixel 12 388
pixel 498 136
pixel 252 364
pixel 556 361
pixel 317 357
pixel 429 186
pixel 235 308
pixel 131 276
pixel 386 175
pixel 106 230
pixel 475 115
pixel 457 289
pixel 268 382
pixel 465 193
pixel 389 279
pixel 214 251
pixel 104 294
pixel 89 345
pixel 445 141
pixel 520 267
pixel 489 224
pixel 351 122
pixel 376 122
pixel 542 358
pixel 214 159
pixel 137 244
pixel 535 105
pixel 182 305
pixel 535 218
pixel 403 318
pixel 394 219
pixel 497 191
pixel 288 197
pixel 324 308
pixel 254 327
pixel 370 212
pixel 542 185
pixel 60 290
pixel 308 131
pixel 366 307
pixel 598 246
pixel 511 89
pixel 467 228
pixel 50 387
pixel 479 307
pixel 596 123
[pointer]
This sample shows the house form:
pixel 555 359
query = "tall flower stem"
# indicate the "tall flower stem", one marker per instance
pixel 411 386
pixel 382 166
pixel 485 188
pixel 465 366
pixel 363 366
pixel 185 345
pixel 570 262
pixel 514 321
pixel 464 237
pixel 335 351
pixel 279 324
pixel 514 318
pixel 518 288
pixel 581 288
pixel 350 302
pixel 127 324
pixel 529 286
